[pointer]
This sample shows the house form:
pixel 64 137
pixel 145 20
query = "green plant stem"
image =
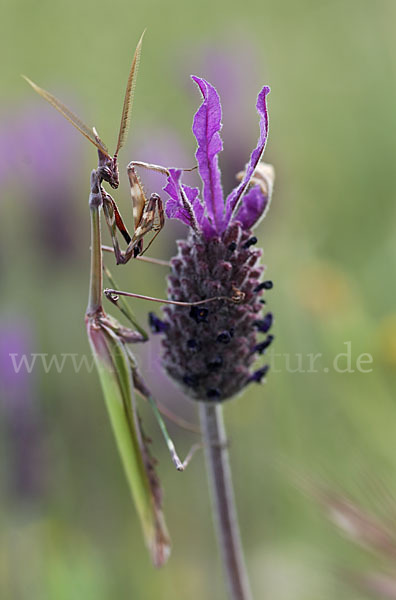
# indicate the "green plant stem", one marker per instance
pixel 223 500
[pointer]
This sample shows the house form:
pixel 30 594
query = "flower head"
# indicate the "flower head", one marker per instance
pixel 210 348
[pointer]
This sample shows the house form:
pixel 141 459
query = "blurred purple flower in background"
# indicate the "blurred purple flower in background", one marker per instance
pixel 38 156
pixel 19 412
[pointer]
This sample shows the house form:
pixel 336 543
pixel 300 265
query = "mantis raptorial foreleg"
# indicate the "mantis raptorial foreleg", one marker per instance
pixel 114 221
pixel 152 220
pixel 148 259
pixel 148 214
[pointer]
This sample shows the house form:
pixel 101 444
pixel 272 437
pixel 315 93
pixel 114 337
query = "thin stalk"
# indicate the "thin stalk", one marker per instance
pixel 223 500
pixel 96 271
pixel 236 299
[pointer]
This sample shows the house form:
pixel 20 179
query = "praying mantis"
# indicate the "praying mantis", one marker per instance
pixel 109 340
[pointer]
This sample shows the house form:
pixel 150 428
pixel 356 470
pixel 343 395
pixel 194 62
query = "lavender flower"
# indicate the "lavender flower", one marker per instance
pixel 43 151
pixel 20 413
pixel 210 348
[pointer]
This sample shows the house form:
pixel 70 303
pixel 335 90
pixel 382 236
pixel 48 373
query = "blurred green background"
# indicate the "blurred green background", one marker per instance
pixel 68 527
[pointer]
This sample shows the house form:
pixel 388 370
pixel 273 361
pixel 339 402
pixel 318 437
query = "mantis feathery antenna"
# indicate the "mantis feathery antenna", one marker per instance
pixel 88 132
pixel 70 116
pixel 128 98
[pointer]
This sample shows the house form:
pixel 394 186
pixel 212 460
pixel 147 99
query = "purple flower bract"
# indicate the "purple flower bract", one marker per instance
pixel 212 215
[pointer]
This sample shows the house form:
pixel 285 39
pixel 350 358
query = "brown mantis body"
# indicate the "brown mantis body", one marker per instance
pixel 148 213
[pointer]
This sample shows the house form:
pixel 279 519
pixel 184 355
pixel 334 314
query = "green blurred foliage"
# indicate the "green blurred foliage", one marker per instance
pixel 329 246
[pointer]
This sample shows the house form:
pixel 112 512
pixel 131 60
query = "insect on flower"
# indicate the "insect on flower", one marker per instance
pixel 210 350
pixel 148 214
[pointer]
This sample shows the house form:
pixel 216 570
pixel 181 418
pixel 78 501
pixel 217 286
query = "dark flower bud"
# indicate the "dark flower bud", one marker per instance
pixel 264 325
pixel 224 337
pixel 192 344
pixel 251 241
pixel 213 394
pixel 156 324
pixel 191 380
pixel 232 247
pixel 215 363
pixel 264 285
pixel 199 314
pixel 262 347
pixel 258 375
